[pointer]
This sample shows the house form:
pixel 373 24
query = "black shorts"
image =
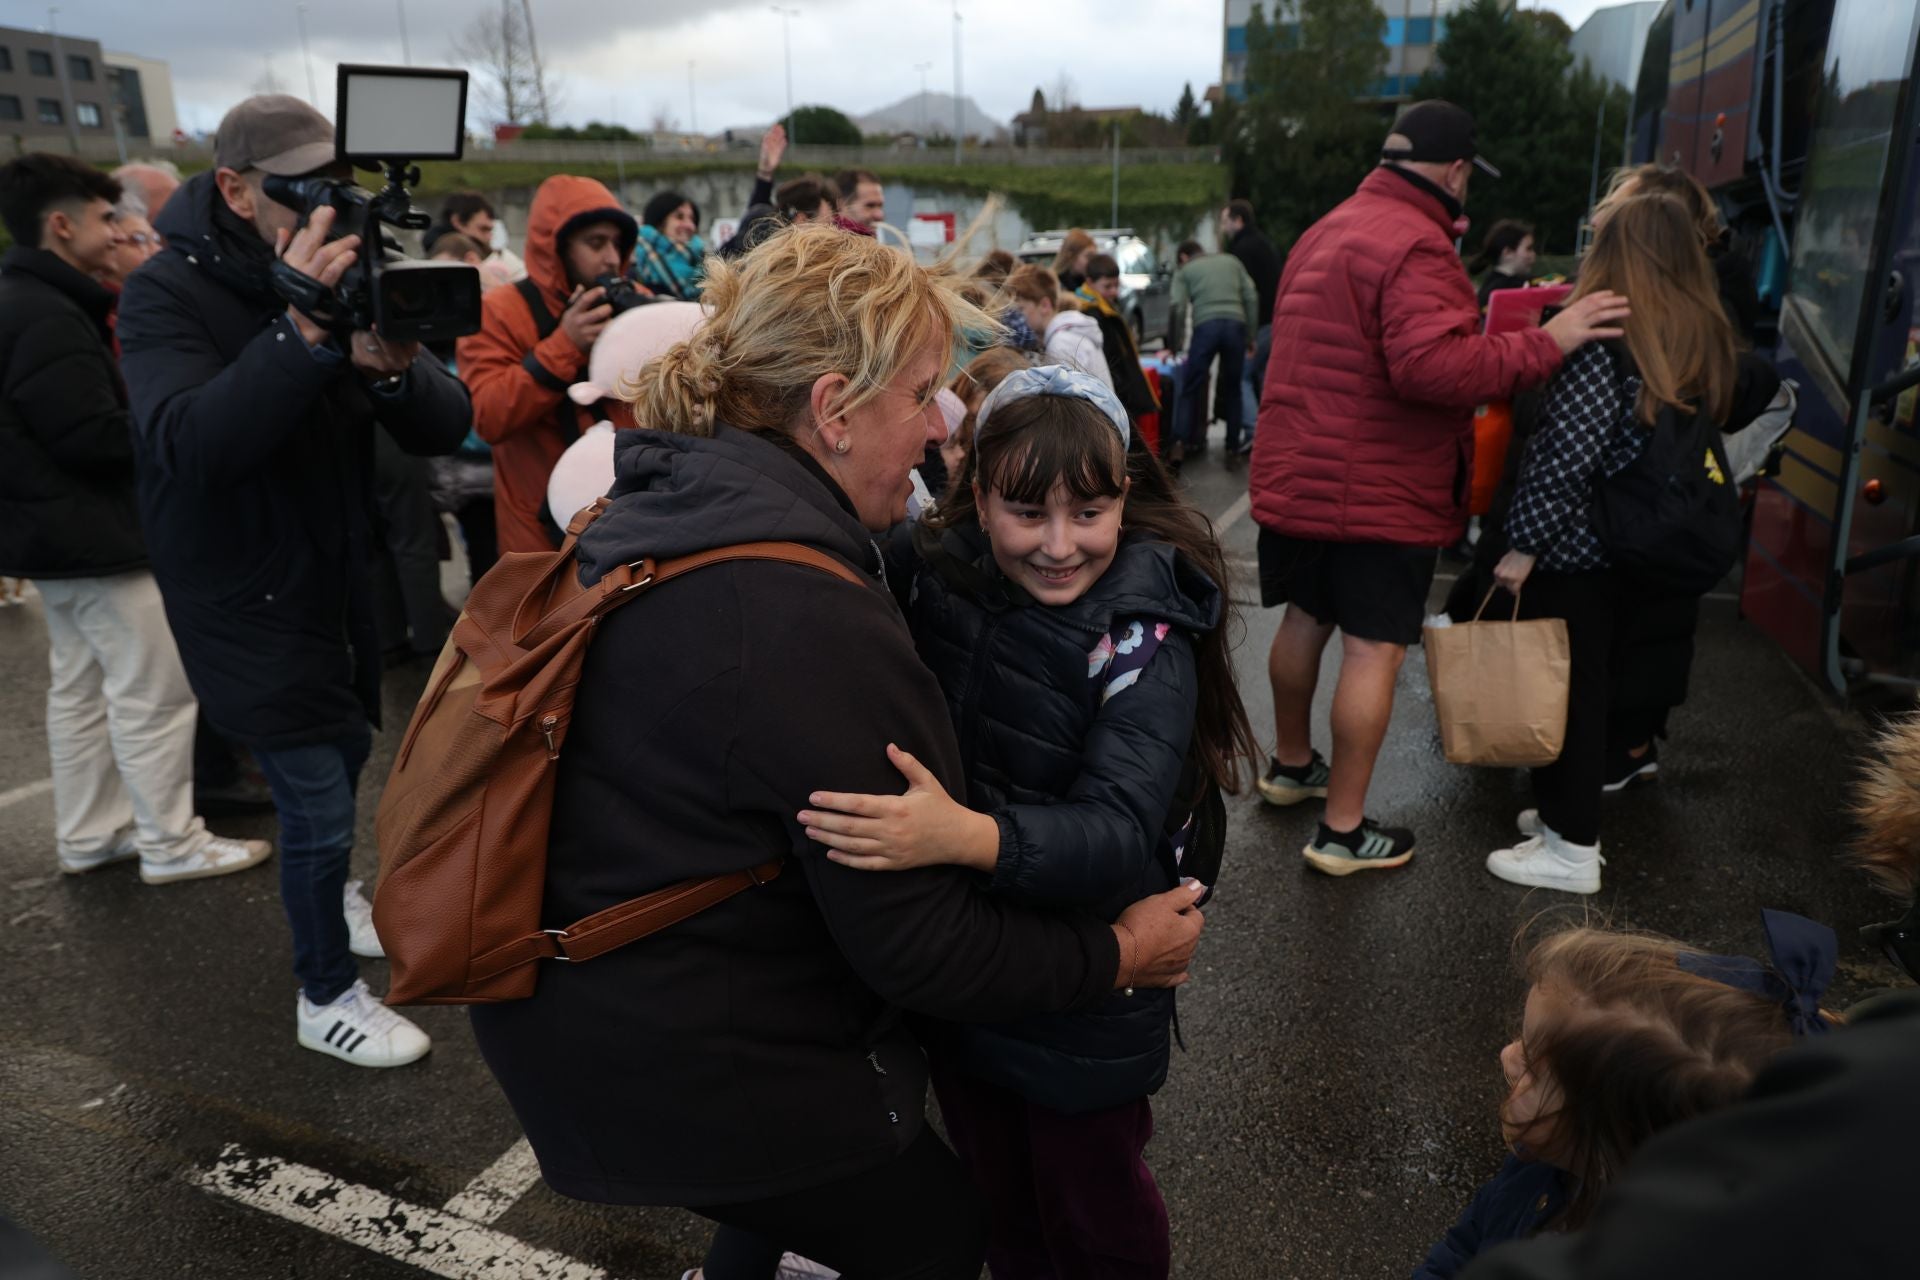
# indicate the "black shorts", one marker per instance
pixel 1370 590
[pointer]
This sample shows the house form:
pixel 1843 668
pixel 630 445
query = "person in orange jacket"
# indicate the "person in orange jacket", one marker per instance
pixel 533 343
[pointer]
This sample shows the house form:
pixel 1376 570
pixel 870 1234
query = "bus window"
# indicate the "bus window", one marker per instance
pixel 1867 59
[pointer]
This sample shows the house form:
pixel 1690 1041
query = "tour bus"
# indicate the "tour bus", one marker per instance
pixel 1801 116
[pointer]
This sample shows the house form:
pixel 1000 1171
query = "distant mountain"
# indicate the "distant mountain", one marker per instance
pixel 930 113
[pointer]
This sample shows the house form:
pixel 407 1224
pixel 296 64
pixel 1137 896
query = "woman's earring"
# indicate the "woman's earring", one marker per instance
pixel 840 446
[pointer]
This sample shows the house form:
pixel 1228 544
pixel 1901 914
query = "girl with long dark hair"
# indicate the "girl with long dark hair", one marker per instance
pixel 1074 611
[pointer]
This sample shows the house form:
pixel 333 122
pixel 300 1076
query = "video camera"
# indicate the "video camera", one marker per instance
pixel 388 118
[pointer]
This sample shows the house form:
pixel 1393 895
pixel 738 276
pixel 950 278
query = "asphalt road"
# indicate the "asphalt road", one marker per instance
pixel 1335 1109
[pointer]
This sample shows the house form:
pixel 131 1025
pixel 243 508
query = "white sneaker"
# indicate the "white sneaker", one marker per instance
pixel 361 938
pixel 1545 861
pixel 121 850
pixel 219 856
pixel 357 1028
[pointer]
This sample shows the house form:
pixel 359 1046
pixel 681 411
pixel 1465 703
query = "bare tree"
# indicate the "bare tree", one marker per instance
pixel 1065 95
pixel 509 83
pixel 663 120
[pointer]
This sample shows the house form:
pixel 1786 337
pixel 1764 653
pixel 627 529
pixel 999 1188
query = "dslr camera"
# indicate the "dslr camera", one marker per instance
pixel 388 118
pixel 622 294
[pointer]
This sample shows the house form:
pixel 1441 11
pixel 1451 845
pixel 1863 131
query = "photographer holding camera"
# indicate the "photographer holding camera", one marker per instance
pixel 534 339
pixel 254 446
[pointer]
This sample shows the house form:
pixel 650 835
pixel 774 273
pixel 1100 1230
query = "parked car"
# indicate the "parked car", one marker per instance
pixel 1145 284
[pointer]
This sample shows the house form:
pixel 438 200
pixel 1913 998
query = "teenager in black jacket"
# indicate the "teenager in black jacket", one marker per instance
pixel 752 1063
pixel 120 715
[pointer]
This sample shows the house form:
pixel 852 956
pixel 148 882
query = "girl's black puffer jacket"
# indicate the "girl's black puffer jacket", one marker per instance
pixel 1080 783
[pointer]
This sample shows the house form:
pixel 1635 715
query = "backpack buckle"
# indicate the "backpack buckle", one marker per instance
pixel 642 567
pixel 559 937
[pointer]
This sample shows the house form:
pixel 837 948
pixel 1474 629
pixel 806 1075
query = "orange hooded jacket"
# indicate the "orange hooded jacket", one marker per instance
pixel 518 379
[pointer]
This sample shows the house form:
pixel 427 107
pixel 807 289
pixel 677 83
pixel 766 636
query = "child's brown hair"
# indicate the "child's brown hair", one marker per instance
pixel 1642 1044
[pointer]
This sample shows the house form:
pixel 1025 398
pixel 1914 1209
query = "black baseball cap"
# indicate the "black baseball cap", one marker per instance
pixel 1436 132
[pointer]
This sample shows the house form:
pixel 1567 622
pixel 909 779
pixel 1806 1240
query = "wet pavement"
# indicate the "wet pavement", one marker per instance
pixel 1335 1108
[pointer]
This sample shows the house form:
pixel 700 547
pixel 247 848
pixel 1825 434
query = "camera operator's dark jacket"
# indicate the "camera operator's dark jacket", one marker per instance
pixel 255 470
pixel 66 442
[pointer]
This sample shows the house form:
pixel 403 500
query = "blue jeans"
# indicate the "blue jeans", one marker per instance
pixel 1228 340
pixel 1256 377
pixel 313 788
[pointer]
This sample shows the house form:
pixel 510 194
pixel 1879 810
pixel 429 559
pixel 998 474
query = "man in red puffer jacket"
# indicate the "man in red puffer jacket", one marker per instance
pixel 1364 452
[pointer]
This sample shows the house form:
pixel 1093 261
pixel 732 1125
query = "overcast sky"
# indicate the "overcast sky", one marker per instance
pixel 628 58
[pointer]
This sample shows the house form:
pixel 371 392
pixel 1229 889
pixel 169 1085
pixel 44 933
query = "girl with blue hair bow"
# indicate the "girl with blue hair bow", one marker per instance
pixel 1626 1035
pixel 1073 609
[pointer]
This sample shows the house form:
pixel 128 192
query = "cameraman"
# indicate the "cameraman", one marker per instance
pixel 254 446
pixel 533 343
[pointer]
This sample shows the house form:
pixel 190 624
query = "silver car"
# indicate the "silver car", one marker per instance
pixel 1145 285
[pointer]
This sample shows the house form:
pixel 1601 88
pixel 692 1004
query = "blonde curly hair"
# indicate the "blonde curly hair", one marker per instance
pixel 809 301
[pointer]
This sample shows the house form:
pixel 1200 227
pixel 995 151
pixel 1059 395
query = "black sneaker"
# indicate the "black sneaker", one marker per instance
pixel 1369 848
pixel 1285 786
pixel 1624 771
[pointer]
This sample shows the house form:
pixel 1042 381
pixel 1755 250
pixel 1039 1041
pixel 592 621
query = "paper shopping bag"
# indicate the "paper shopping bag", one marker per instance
pixel 1500 688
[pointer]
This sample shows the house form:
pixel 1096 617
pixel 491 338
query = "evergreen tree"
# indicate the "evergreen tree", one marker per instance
pixel 1188 109
pixel 1537 120
pixel 1302 140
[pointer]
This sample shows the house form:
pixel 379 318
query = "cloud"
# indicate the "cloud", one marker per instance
pixel 629 57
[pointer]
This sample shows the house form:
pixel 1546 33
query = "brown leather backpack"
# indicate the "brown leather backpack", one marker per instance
pixel 463 823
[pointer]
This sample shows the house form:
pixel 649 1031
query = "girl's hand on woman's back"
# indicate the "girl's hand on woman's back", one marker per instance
pixel 922 828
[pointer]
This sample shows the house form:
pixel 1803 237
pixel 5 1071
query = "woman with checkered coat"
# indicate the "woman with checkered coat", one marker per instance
pixel 1597 415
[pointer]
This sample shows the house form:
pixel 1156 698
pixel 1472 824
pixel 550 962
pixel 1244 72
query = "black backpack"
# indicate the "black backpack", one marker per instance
pixel 1670 519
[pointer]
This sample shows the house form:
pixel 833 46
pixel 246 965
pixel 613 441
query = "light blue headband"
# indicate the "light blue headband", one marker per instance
pixel 1056 380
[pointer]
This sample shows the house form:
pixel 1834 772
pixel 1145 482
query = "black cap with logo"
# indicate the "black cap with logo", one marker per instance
pixel 1436 132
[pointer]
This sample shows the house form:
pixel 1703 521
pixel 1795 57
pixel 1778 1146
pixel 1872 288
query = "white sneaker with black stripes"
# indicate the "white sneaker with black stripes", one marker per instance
pixel 357 1028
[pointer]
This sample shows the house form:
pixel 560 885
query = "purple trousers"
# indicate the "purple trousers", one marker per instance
pixel 1069 1197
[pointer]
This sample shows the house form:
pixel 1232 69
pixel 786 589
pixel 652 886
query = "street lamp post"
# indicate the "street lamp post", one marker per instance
pixel 406 57
pixel 786 36
pixel 923 68
pixel 693 108
pixel 957 133
pixel 313 92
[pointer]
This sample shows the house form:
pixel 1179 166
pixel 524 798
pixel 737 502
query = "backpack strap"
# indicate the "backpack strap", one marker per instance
pixel 544 321
pixel 636 918
pixel 626 922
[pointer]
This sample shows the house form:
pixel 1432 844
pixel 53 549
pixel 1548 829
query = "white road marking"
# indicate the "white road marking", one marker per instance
pixel 434 1240
pixel 1233 515
pixel 494 1191
pixel 27 792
